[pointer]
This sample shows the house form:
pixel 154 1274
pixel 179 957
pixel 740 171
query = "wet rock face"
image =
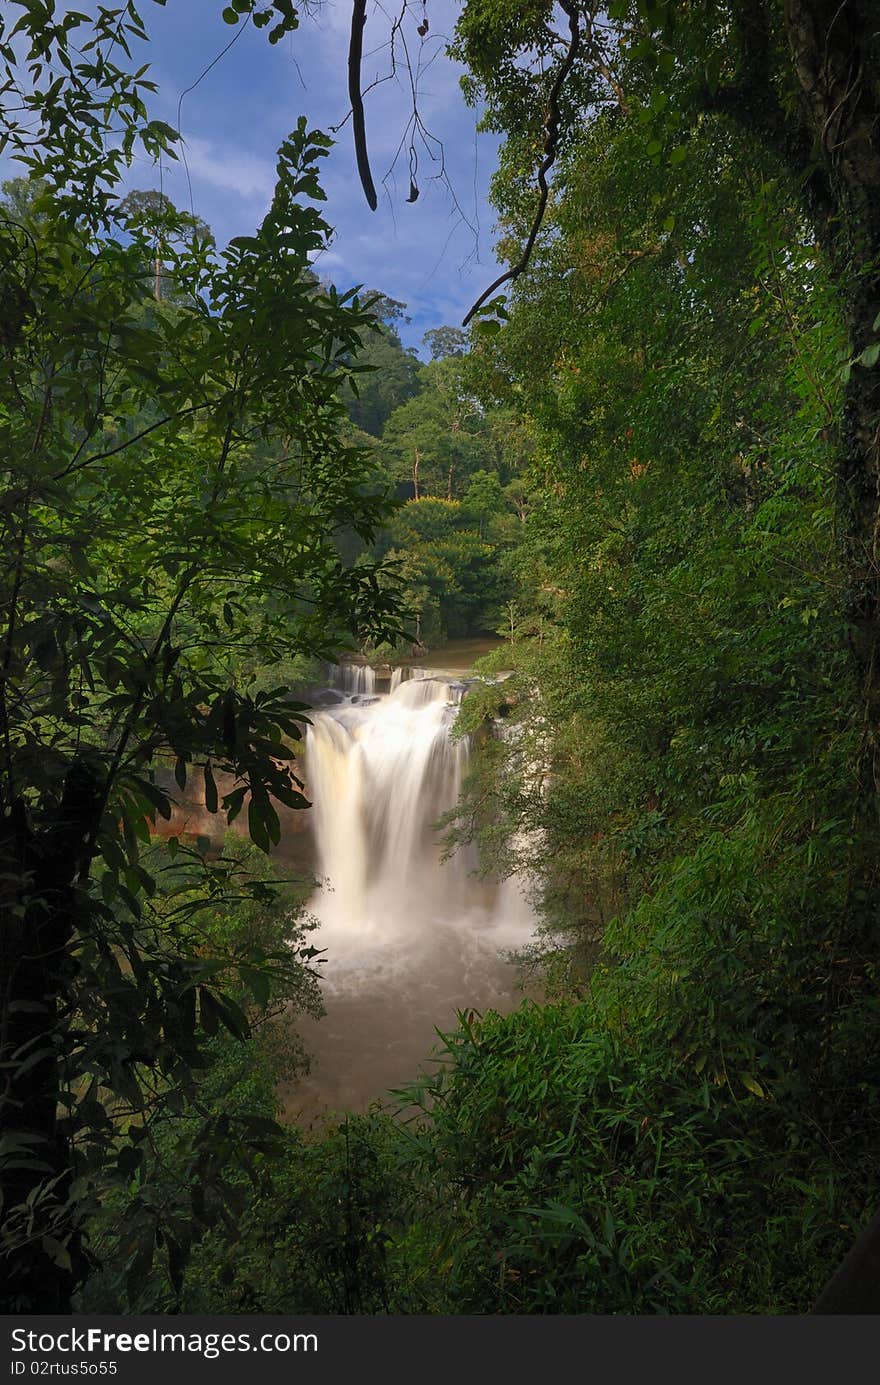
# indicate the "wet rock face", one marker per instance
pixel 325 697
pixel 191 821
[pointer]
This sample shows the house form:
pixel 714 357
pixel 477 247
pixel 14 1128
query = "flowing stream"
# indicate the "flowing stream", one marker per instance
pixel 409 937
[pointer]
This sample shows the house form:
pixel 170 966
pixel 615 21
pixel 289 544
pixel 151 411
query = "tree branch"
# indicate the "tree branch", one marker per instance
pixel 355 53
pixel 129 442
pixel 551 146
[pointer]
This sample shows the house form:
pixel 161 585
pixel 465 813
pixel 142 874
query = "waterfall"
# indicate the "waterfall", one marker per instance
pixel 356 680
pixel 380 775
pixel 408 937
pixel 398 676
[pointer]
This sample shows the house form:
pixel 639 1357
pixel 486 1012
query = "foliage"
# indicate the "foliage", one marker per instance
pixel 666 1146
pixel 685 627
pixel 314 1238
pixel 386 374
pixel 173 477
pixel 437 439
pixel 449 573
pixel 446 341
pixel 154 214
pixel 204 1146
pixel 690 1129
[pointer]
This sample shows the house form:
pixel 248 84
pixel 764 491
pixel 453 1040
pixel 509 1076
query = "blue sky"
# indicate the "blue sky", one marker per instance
pixel 435 254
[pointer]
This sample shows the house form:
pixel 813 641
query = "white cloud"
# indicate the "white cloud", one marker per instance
pixel 229 169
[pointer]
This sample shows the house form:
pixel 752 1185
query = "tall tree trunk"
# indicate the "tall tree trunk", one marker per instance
pixel 40 904
pixel 835 51
pixel 829 137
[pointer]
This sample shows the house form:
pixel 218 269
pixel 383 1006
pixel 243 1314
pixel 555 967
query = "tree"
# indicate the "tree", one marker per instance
pixel 156 215
pixel 804 81
pixel 173 477
pixel 437 439
pixel 384 309
pixel 386 374
pixel 681 136
pixel 449 572
pixel 446 341
pixel 22 197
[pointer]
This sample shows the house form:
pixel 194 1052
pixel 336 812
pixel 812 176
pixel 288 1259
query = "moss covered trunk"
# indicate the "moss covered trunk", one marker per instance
pixel 835 52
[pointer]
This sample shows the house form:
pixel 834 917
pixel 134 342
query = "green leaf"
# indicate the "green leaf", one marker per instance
pixel 232 802
pixel 211 797
pixel 263 1125
pixel 36 1056
pixel 57 1253
pixel 208 1012
pixel 257 826
pixel 232 1016
pixel 129 1159
pixel 139 1270
pixel 259 984
pixel 154 796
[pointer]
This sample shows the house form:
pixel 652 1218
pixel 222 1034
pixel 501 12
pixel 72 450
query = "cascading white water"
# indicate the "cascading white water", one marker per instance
pixel 380 775
pixel 357 680
pixel 409 937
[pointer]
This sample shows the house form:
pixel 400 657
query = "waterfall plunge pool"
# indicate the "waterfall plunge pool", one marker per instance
pixel 409 938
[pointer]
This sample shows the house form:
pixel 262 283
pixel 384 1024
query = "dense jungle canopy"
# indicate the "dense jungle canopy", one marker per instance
pixel 651 464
